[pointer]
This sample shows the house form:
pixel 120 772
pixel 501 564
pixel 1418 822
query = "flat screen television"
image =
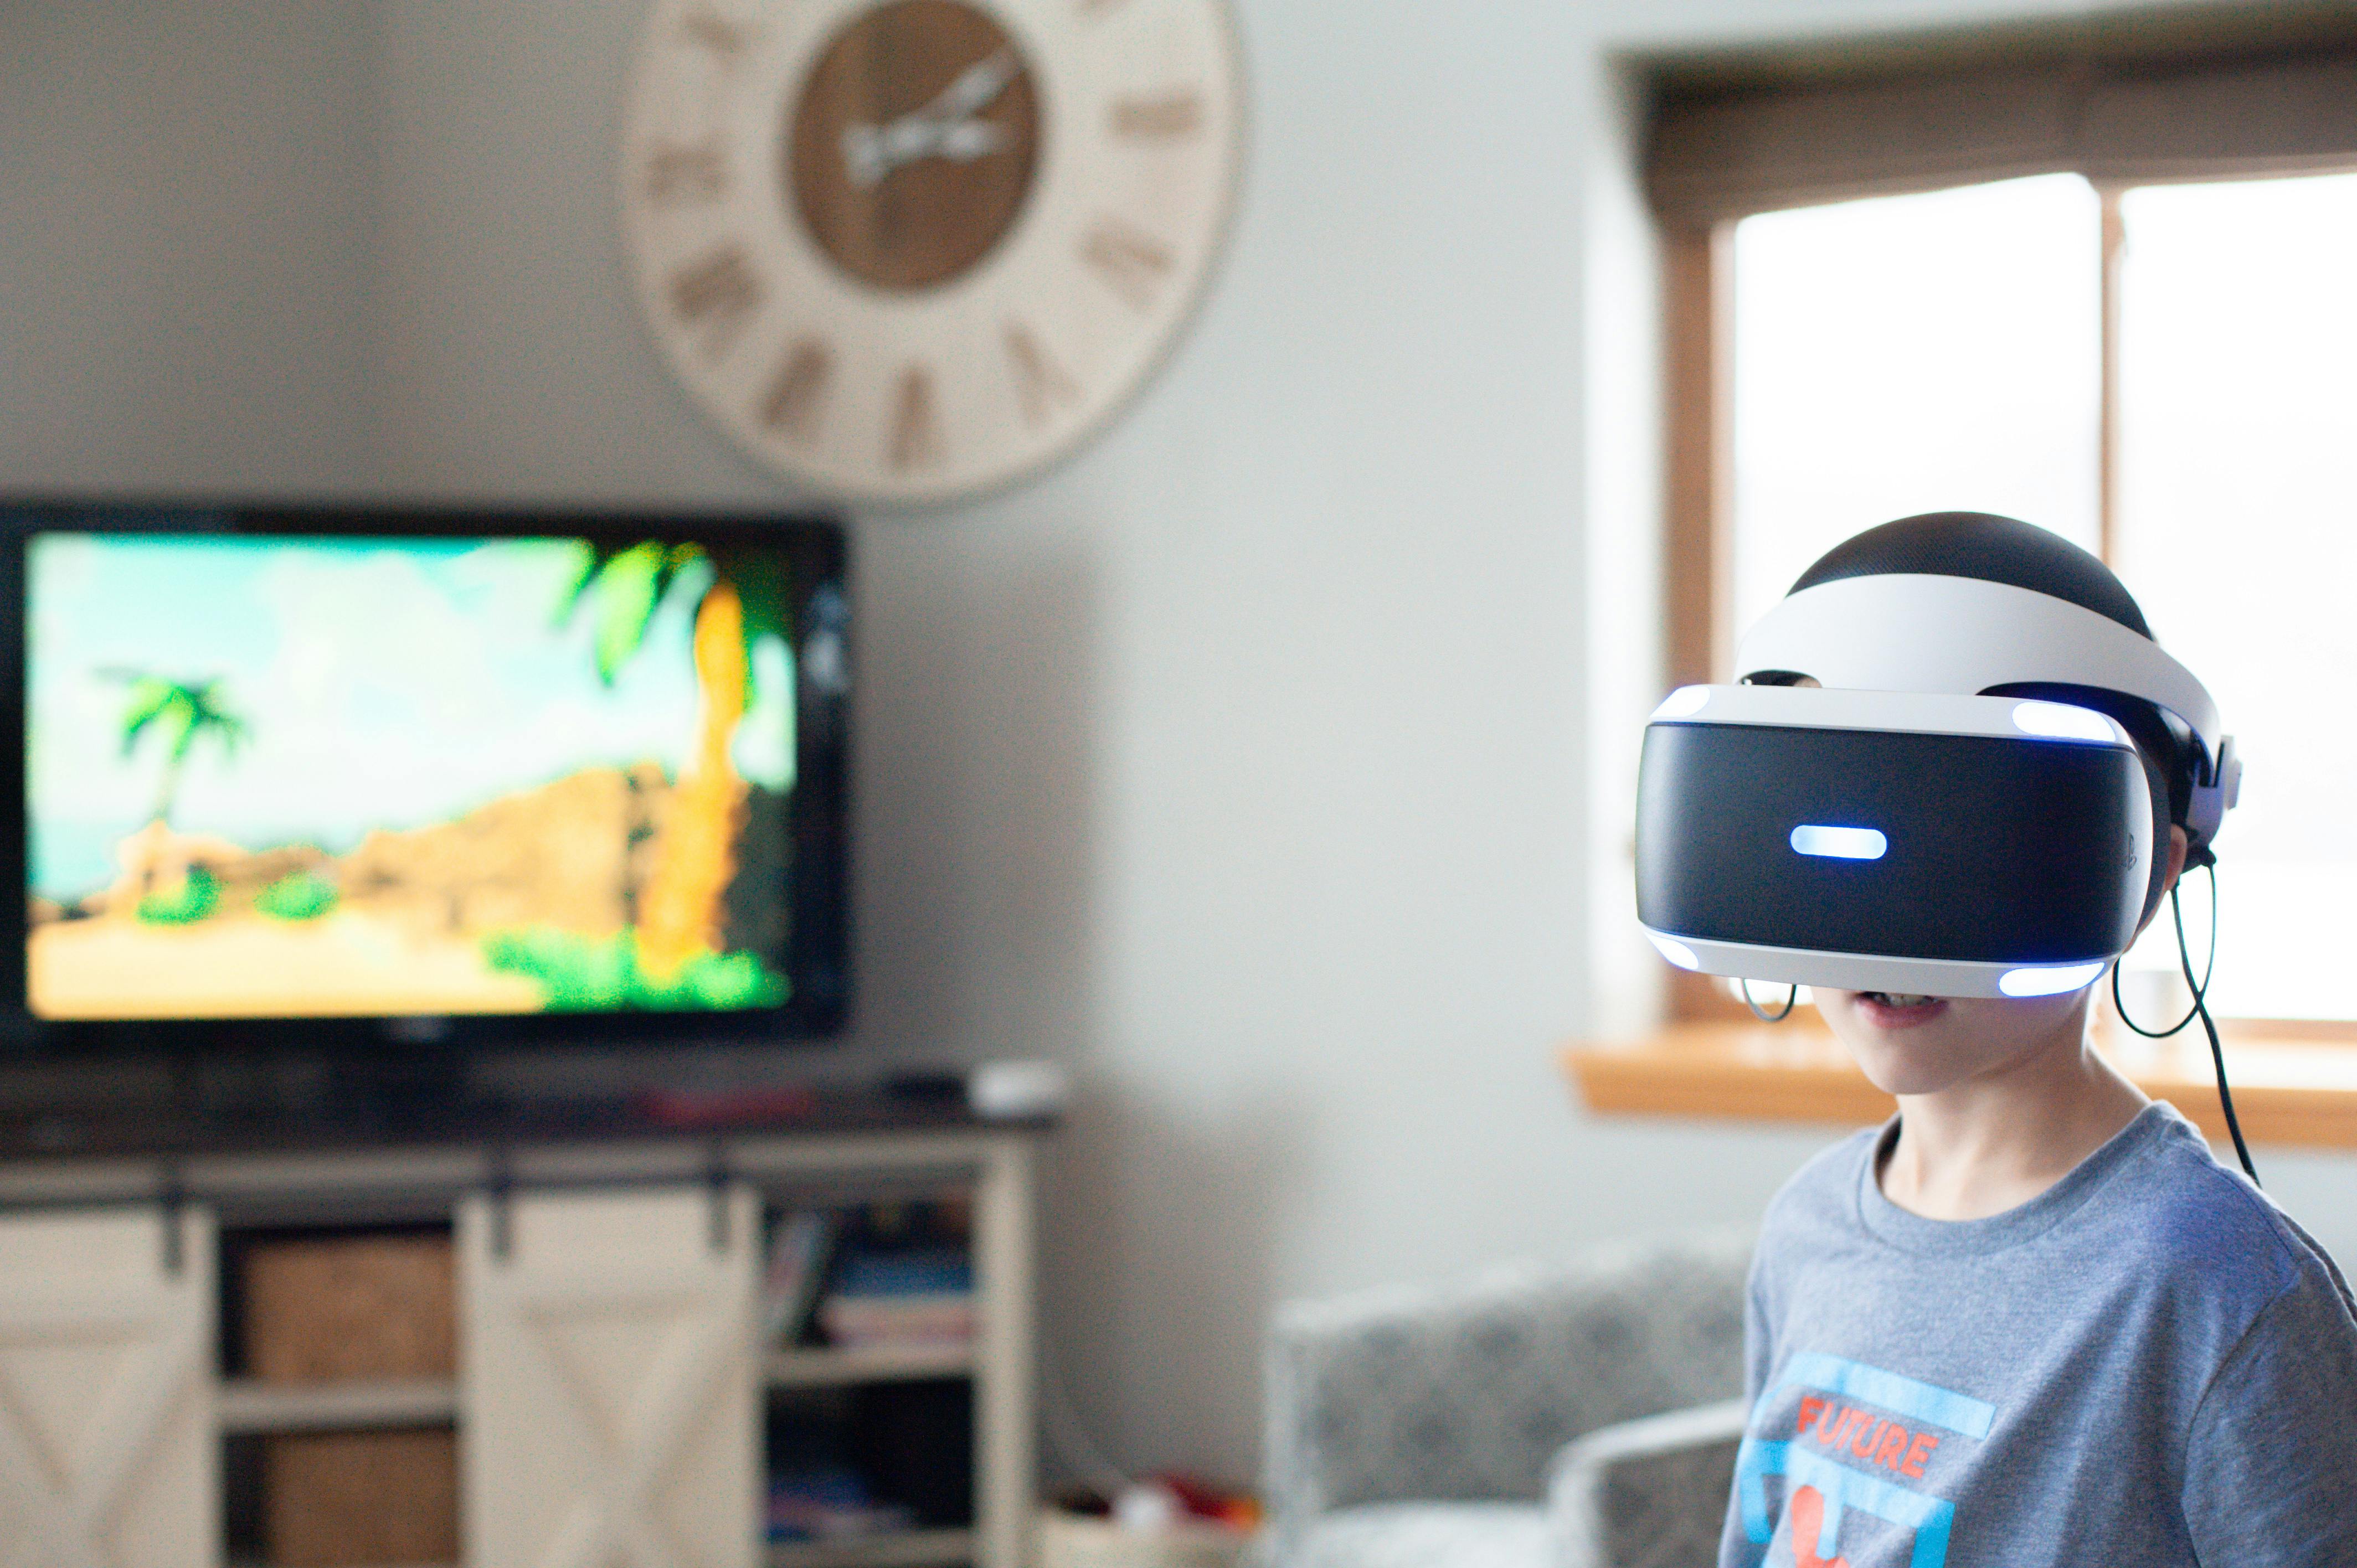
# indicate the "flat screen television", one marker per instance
pixel 333 776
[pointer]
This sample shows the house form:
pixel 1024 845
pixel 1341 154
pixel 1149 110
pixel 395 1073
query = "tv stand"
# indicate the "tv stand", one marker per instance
pixel 248 1172
pixel 403 1095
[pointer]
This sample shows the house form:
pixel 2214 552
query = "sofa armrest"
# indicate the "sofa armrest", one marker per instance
pixel 1649 1493
pixel 1465 1391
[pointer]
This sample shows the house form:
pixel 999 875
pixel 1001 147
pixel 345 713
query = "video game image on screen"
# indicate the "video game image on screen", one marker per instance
pixel 271 777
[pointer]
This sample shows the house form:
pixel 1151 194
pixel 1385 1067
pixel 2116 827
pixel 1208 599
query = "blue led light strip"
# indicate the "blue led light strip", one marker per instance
pixel 1839 843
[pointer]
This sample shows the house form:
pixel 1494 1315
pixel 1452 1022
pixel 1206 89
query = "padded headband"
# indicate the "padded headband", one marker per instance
pixel 1868 633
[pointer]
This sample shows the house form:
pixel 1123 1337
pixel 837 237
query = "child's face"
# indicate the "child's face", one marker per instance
pixel 1922 1045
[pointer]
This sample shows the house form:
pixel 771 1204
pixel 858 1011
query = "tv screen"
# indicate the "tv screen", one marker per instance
pixel 572 773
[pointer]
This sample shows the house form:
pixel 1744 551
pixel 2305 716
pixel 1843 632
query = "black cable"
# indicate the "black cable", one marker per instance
pixel 2226 1095
pixel 1791 997
pixel 2201 1010
pixel 2208 965
pixel 2209 1024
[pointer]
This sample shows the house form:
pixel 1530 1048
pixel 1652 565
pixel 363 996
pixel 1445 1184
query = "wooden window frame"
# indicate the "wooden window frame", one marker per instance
pixel 1697 574
pixel 2132 100
pixel 1697 261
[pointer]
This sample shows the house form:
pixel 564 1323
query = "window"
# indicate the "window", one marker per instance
pixel 2237 529
pixel 2067 309
pixel 1940 353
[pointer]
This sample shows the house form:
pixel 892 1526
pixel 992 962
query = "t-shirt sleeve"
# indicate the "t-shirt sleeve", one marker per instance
pixel 1735 1548
pixel 2269 1463
pixel 1759 1340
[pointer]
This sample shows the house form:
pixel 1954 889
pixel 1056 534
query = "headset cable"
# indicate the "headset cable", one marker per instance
pixel 2200 1008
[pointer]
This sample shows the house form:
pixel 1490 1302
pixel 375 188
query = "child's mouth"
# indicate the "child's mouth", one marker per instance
pixel 1897 1009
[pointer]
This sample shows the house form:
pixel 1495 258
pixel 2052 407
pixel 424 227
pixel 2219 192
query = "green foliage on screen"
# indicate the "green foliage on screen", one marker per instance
pixel 599 974
pixel 193 900
pixel 305 896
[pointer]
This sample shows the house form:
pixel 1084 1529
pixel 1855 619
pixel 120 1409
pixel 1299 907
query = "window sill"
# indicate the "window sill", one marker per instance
pixel 2287 1091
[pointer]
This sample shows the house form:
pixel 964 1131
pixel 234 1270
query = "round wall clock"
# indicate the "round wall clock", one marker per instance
pixel 914 249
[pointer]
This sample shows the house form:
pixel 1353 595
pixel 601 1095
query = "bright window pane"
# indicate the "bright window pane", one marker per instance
pixel 2238 533
pixel 1911 354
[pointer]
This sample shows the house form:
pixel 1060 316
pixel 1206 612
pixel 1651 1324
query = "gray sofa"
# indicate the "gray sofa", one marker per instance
pixel 1580 1416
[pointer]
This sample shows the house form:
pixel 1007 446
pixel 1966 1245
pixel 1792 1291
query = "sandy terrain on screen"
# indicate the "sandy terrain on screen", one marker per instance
pixel 348 963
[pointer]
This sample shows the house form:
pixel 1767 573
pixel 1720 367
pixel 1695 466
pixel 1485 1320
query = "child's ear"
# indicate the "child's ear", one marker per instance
pixel 2177 844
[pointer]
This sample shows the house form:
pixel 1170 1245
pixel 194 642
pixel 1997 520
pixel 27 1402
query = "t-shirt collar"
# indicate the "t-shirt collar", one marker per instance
pixel 1960 1237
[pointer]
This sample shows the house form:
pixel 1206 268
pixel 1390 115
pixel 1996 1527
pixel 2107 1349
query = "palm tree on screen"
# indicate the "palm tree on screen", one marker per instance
pixel 181 713
pixel 741 600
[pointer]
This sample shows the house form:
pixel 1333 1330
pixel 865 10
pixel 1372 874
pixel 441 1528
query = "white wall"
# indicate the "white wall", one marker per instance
pixel 184 214
pixel 1245 762
pixel 1238 763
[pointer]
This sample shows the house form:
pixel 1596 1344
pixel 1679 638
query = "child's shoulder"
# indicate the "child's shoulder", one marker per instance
pixel 2183 1251
pixel 2176 1211
pixel 2154 1214
pixel 1824 1191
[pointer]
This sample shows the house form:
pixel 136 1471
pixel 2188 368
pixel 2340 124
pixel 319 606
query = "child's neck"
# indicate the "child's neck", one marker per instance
pixel 1995 1140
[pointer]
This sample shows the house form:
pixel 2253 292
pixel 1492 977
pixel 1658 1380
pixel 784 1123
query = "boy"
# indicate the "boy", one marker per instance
pixel 2032 1320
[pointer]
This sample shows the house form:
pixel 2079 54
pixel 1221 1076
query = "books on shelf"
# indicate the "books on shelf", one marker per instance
pixel 799 1250
pixel 909 1298
pixel 831 1503
pixel 878 1276
pixel 869 1325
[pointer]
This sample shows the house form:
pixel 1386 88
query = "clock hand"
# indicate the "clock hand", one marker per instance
pixel 974 88
pixel 970 139
pixel 872 151
pixel 942 128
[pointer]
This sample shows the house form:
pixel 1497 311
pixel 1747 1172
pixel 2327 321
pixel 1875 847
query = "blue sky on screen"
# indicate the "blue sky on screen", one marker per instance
pixel 384 685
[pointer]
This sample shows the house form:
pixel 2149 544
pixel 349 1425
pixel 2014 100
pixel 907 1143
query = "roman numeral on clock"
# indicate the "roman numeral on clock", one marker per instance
pixel 799 391
pixel 1040 382
pixel 716 296
pixel 1167 114
pixel 686 171
pixel 1131 263
pixel 916 441
pixel 707 29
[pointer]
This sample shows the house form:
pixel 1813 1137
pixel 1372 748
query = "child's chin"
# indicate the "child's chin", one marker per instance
pixel 1899 1071
pixel 1902 1050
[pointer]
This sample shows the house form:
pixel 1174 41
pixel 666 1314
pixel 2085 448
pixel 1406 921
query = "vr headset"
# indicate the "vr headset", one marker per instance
pixel 1925 785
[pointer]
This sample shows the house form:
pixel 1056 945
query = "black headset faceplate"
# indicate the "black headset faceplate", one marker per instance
pixel 1998 850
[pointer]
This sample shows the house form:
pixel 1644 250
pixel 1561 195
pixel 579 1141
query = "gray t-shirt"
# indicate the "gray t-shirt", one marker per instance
pixel 2147 1364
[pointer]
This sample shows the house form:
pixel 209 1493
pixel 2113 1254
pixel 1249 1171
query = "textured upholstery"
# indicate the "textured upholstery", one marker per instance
pixel 1427 1535
pixel 1467 1393
pixel 1647 1494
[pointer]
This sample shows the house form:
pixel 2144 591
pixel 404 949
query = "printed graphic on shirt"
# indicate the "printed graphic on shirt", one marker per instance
pixel 1861 1436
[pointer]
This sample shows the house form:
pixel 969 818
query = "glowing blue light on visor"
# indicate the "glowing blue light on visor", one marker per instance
pixel 2062 721
pixel 2050 981
pixel 1840 843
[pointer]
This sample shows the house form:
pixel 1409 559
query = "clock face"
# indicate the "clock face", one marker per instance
pixel 917 248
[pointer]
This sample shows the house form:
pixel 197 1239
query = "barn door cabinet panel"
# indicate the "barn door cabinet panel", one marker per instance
pixel 608 1397
pixel 613 1376
pixel 108 1447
